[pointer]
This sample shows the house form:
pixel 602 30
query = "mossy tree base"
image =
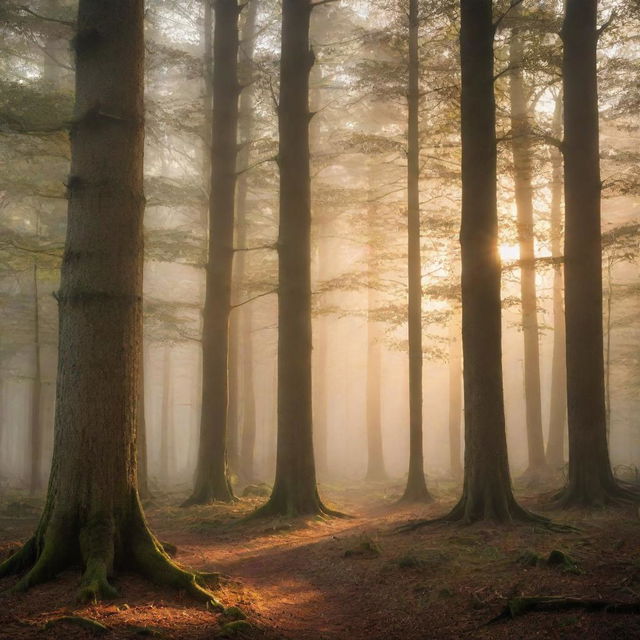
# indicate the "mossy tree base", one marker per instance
pixel 416 491
pixel 100 544
pixel 210 492
pixel 293 505
pixel 593 494
pixel 504 510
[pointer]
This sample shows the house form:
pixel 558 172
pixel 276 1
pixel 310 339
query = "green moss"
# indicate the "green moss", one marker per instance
pixel 95 627
pixel 563 561
pixel 234 613
pixel 257 491
pixel 366 547
pixel 234 629
pixel 423 559
pixel 529 558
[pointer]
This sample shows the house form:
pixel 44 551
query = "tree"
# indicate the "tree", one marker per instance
pixel 455 394
pixel 89 514
pixel 295 489
pixel 590 481
pixel 244 315
pixel 212 478
pixel 375 453
pixel 558 403
pixel 487 492
pixel 522 175
pixel 416 489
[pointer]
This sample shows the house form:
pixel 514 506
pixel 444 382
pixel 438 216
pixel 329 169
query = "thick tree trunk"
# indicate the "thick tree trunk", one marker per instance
pixel 591 480
pixel 92 513
pixel 522 157
pixel 244 315
pixel 321 323
pixel 487 490
pixel 295 491
pixel 455 394
pixel 37 435
pixel 558 403
pixel 416 489
pixel 375 455
pixel 212 478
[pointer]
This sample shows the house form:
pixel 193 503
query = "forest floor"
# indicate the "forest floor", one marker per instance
pixel 353 578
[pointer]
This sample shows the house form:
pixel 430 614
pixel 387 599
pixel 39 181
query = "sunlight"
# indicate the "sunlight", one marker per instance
pixel 509 252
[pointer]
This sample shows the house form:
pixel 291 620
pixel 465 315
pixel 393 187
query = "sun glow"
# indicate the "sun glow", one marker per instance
pixel 509 252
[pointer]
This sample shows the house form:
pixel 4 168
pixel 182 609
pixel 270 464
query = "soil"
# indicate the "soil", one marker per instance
pixel 355 578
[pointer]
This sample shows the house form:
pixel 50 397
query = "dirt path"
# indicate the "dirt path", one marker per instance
pixel 354 579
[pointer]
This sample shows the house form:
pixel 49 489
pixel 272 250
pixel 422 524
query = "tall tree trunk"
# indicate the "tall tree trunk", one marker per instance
pixel 166 419
pixel 320 370
pixel 375 455
pixel 416 489
pixel 591 480
pixel 295 490
pixel 37 435
pixel 558 403
pixel 522 157
pixel 607 363
pixel 487 490
pixel 92 513
pixel 244 315
pixel 455 394
pixel 143 473
pixel 320 324
pixel 212 478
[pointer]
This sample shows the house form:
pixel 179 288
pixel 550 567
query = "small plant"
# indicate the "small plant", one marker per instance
pixel 367 547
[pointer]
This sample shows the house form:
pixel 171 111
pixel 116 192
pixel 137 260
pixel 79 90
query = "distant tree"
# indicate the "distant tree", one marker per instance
pixel 558 402
pixel 521 145
pixel 245 403
pixel 455 394
pixel 212 478
pixel 416 489
pixel 89 514
pixel 295 490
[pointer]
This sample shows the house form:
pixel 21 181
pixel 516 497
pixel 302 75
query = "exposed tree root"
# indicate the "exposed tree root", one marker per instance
pixel 209 494
pixel 609 493
pixel 527 604
pixel 89 624
pixel 507 512
pixel 100 546
pixel 278 506
pixel 416 495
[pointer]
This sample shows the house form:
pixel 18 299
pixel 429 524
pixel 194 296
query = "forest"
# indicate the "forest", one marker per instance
pixel 319 319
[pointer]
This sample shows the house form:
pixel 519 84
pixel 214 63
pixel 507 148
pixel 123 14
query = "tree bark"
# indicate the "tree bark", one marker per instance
pixel 320 371
pixel 591 481
pixel 143 473
pixel 244 315
pixel 92 513
pixel 212 477
pixel 558 404
pixel 416 489
pixel 166 420
pixel 487 490
pixel 522 156
pixel 455 394
pixel 295 490
pixel 37 435
pixel 375 455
